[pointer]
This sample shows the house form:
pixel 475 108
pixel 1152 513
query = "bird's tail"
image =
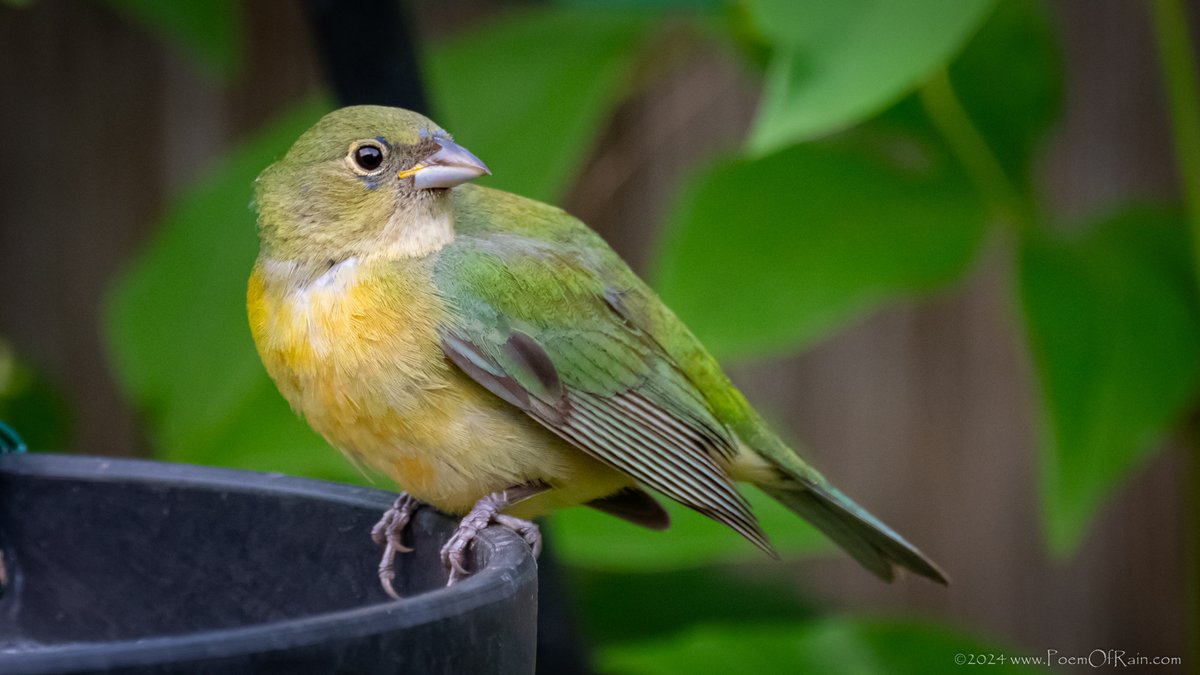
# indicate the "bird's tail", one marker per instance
pixel 875 545
pixel 777 470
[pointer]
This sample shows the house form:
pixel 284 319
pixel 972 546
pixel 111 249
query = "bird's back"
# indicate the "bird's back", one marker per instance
pixel 509 231
pixel 486 216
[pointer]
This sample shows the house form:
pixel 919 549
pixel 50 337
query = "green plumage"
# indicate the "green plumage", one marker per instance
pixel 538 310
pixel 518 267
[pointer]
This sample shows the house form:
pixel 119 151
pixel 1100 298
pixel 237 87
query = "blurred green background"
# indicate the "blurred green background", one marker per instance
pixel 944 244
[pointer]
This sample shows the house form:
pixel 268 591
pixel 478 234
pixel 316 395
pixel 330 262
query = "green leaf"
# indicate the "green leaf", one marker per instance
pixel 669 602
pixel 590 539
pixel 833 645
pixel 1115 338
pixel 653 5
pixel 837 62
pixel 211 29
pixel 529 93
pixel 176 321
pixel 31 405
pixel 1009 80
pixel 769 254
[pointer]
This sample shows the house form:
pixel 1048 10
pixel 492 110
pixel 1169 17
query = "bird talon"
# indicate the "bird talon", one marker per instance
pixel 529 531
pixel 486 512
pixel 387 533
pixel 454 552
pixel 459 566
pixel 379 533
pixel 387 574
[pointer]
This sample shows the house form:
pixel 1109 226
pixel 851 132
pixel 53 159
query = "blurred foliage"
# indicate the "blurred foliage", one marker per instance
pixel 668 603
pixel 836 63
pixel 581 60
pixel 853 646
pixel 1014 101
pixel 1115 334
pixel 892 140
pixel 211 29
pixel 853 205
pixel 653 5
pixel 30 404
pixel 589 538
pixel 199 381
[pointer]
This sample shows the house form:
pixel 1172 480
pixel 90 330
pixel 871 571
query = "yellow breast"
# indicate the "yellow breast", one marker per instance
pixel 356 352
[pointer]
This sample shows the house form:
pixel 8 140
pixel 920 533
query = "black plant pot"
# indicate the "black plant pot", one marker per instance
pixel 144 567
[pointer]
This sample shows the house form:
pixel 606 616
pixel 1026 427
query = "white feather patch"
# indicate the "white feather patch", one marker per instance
pixel 414 235
pixel 315 298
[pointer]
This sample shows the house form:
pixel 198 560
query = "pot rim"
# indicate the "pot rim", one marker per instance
pixel 506 564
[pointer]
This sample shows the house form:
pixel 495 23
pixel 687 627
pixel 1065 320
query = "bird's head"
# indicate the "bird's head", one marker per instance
pixel 364 179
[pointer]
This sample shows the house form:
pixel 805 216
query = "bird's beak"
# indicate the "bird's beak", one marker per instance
pixel 451 165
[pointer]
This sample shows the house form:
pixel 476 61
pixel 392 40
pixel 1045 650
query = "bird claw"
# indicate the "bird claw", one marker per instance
pixel 528 530
pixel 387 533
pixel 486 512
pixel 454 553
pixel 391 526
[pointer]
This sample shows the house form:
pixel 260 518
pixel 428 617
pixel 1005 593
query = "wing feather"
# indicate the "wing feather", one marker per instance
pixel 635 506
pixel 587 372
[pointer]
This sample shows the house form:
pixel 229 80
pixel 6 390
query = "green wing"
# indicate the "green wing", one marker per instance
pixel 549 318
pixel 544 325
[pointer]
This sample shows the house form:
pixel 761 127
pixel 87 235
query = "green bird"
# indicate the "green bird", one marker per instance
pixel 496 359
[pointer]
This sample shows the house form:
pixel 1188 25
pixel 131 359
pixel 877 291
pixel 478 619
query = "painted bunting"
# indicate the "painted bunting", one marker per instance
pixel 495 358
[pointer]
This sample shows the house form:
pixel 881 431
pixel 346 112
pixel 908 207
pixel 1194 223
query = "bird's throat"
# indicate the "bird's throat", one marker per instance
pixel 416 232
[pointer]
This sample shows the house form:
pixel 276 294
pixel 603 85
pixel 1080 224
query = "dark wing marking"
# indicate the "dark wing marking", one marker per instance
pixel 523 350
pixel 526 350
pixel 636 506
pixel 474 362
pixel 625 430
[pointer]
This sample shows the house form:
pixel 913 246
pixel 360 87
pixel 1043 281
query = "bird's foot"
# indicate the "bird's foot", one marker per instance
pixel 528 530
pixel 486 512
pixel 387 533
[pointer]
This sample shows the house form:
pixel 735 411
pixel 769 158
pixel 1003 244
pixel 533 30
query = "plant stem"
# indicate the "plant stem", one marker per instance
pixel 1179 74
pixel 955 125
pixel 1177 61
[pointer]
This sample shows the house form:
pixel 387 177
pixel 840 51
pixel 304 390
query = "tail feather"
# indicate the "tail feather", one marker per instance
pixel 875 545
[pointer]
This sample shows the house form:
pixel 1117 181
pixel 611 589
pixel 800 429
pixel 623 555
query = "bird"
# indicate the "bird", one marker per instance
pixel 496 359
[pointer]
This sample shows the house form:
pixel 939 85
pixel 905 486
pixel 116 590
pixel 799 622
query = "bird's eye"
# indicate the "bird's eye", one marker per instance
pixel 367 157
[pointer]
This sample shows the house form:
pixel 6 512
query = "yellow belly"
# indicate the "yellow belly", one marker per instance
pixel 357 355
